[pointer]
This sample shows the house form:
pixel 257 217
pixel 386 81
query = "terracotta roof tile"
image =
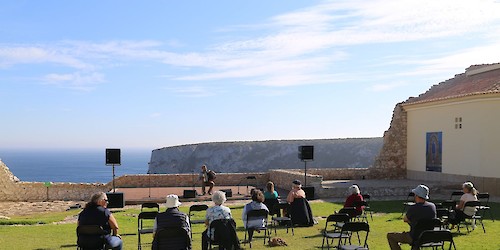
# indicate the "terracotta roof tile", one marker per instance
pixel 463 85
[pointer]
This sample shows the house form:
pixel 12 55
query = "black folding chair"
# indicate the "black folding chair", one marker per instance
pixel 90 237
pixel 455 195
pixel 150 205
pixel 222 233
pixel 368 209
pixel 333 228
pixel 281 221
pixel 410 201
pixel 434 239
pixel 171 239
pixel 144 228
pixel 257 214
pixel 363 204
pixel 484 198
pixel 193 211
pixel 354 227
pixel 351 211
pixel 472 219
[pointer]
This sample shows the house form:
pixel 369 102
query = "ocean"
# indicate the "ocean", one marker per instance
pixel 72 165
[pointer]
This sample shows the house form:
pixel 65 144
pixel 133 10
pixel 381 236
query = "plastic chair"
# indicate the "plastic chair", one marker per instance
pixel 354 227
pixel 410 201
pixel 334 233
pixel 142 228
pixel 278 220
pixel 257 214
pixel 484 198
pixel 90 237
pixel 367 198
pixel 435 239
pixel 171 238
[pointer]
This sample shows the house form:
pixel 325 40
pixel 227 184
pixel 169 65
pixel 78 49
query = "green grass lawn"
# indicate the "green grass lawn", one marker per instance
pixel 39 232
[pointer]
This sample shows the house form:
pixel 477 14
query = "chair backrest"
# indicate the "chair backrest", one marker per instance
pixel 150 205
pixel 336 218
pixel 90 236
pixel 259 214
pixel 410 196
pixel 171 238
pixel 472 204
pixel 455 195
pixel 442 212
pixel 366 197
pixel 484 198
pixel 150 215
pixel 360 203
pixel 351 211
pixel 270 203
pixel 358 226
pixel 197 208
pixel 224 233
pixel 449 204
pixel 434 236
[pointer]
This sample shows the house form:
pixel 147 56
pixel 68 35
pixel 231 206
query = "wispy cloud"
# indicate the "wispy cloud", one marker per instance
pixel 76 81
pixel 193 91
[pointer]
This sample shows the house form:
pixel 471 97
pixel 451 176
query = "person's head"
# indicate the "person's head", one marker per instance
pixel 258 196
pixel 270 186
pixel 172 201
pixel 296 184
pixel 468 187
pixel 421 193
pixel 98 199
pixel 204 168
pixel 219 198
pixel 354 189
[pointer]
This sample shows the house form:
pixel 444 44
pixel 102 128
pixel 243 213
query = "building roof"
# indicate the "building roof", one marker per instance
pixel 477 80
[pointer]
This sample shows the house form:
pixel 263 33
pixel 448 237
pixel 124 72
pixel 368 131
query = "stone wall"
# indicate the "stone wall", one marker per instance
pixel 338 173
pixel 391 162
pixel 282 178
pixel 187 180
pixel 11 189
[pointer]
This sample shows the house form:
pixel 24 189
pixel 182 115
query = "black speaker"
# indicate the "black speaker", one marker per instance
pixel 229 192
pixel 112 156
pixel 115 200
pixel 188 193
pixel 306 153
pixel 309 192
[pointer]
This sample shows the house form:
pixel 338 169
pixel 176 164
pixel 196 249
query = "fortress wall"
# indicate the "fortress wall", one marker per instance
pixel 391 162
pixel 12 189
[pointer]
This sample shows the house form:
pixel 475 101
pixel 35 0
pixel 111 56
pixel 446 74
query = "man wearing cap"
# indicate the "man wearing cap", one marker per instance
pixel 172 217
pixel 422 210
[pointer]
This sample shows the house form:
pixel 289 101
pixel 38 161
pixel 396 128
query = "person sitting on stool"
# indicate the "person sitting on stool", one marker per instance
pixel 207 179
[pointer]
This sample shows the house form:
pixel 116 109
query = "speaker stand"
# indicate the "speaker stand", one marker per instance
pixel 114 190
pixel 305 173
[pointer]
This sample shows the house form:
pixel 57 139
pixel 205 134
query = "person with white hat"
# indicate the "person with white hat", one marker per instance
pixel 422 210
pixel 172 217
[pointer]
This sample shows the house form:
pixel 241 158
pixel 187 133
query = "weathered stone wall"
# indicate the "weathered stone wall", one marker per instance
pixel 391 162
pixel 338 173
pixel 187 180
pixel 11 189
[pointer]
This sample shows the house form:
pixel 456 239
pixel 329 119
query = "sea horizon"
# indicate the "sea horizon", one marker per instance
pixel 72 165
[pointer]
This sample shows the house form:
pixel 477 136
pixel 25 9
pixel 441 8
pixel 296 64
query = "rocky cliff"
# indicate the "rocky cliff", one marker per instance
pixel 240 157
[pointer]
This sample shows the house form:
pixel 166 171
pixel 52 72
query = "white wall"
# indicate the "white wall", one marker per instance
pixel 473 150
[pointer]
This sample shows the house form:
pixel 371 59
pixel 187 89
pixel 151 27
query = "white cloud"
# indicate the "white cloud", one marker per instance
pixel 382 87
pixel 193 91
pixel 76 81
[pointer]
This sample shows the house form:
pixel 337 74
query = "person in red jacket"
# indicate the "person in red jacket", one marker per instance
pixel 354 197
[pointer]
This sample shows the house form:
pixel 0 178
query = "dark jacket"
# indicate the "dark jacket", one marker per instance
pixel 173 218
pixel 225 234
pixel 301 213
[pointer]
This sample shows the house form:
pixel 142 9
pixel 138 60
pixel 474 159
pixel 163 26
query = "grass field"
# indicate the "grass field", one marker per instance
pixel 44 232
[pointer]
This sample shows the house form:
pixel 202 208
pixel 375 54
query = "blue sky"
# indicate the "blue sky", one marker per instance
pixel 149 74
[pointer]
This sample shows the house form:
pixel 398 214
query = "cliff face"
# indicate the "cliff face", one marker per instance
pixel 240 157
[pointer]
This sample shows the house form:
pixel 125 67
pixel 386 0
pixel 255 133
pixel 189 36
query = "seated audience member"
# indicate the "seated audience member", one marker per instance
pixel 172 217
pixel 256 204
pixel 422 210
pixel 97 213
pixel 219 211
pixel 353 198
pixel 270 193
pixel 296 191
pixel 470 194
